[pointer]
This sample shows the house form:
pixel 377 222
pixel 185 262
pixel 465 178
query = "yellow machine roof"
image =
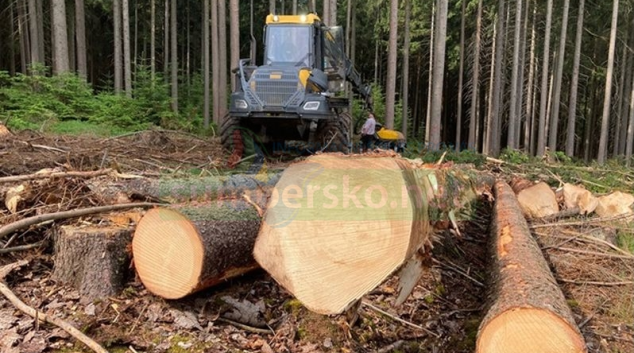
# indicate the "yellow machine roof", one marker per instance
pixel 297 19
pixel 392 135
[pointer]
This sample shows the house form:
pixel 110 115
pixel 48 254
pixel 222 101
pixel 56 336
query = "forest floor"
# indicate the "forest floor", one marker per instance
pixel 442 314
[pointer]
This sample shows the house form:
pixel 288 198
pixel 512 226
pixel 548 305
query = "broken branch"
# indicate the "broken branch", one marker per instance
pixel 37 176
pixel 12 227
pixel 21 247
pixel 40 316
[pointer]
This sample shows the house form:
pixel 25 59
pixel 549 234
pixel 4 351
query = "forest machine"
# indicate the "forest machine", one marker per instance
pixel 296 94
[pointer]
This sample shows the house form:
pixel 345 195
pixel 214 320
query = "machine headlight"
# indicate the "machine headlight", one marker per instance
pixel 241 104
pixel 311 105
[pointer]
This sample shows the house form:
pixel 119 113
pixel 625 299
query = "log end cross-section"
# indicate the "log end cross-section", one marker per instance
pixel 186 248
pixel 336 227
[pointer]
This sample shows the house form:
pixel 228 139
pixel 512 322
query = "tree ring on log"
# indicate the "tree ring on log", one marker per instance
pixel 178 260
pixel 529 330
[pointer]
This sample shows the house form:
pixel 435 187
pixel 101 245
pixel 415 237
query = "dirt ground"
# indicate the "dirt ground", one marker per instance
pixel 442 314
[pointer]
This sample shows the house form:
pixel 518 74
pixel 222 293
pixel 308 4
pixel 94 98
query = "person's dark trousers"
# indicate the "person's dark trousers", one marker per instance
pixel 368 142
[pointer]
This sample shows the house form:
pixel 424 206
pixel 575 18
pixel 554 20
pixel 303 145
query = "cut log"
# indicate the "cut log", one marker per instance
pixel 615 204
pixel 4 132
pixel 538 201
pixel 528 312
pixel 181 190
pixel 578 197
pixel 186 248
pixel 337 226
pixel 95 260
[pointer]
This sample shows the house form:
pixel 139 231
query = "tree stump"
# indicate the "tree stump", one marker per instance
pixel 95 260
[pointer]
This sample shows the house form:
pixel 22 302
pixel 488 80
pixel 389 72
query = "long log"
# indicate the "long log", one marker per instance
pixel 182 190
pixel 337 226
pixel 529 312
pixel 189 247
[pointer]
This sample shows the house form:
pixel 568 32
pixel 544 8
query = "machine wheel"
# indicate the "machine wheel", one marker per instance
pixel 335 134
pixel 237 139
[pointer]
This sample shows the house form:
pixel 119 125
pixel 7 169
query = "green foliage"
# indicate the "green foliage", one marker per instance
pixel 378 107
pixel 514 156
pixel 67 104
pixel 417 149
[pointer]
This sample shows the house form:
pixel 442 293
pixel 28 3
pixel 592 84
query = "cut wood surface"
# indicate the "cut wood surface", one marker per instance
pixel 337 226
pixel 95 259
pixel 181 190
pixel 190 247
pixel 538 201
pixel 528 312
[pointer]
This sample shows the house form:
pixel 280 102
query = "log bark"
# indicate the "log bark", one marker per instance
pixel 528 312
pixel 95 260
pixel 186 248
pixel 182 190
pixel 337 226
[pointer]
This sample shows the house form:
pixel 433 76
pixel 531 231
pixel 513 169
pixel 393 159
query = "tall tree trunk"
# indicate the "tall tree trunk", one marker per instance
pixel 390 89
pixel 514 119
pixel 376 61
pixel 166 45
pixel 12 32
pixel 215 59
pixel 188 53
pixel 529 127
pixel 619 99
pixel 406 45
pixel 493 130
pixel 25 56
pixel 206 63
pixel 626 97
pixel 118 68
pixel 430 80
pixel 34 34
pixel 127 68
pixel 174 53
pixel 80 30
pixel 605 120
pixel 61 37
pixel 460 79
pixel 40 30
pixel 153 40
pixel 51 31
pixel 520 82
pixel 630 131
pixel 72 52
pixel 271 7
pixel 574 84
pixel 136 37
pixel 222 42
pixel 475 81
pixel 332 17
pixel 326 13
pixel 554 119
pixel 543 102
pixel 294 7
pixel 234 9
pixel 489 95
pixel 438 75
